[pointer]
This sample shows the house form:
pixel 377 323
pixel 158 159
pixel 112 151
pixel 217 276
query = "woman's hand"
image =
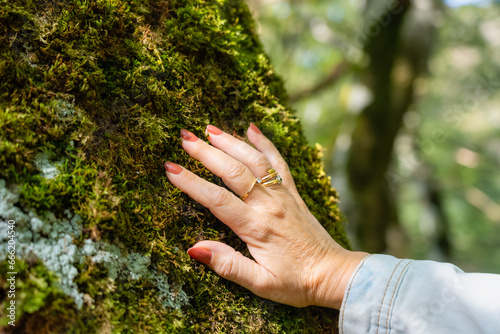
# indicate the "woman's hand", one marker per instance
pixel 296 261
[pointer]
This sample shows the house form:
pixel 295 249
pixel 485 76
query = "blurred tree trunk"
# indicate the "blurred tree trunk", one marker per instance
pixel 442 239
pixel 397 57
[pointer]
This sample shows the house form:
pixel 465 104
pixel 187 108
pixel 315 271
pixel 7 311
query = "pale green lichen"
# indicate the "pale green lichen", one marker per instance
pixel 48 239
pixel 42 162
pixel 134 266
pixel 51 240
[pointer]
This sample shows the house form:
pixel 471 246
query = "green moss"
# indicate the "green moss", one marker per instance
pixel 36 293
pixel 99 90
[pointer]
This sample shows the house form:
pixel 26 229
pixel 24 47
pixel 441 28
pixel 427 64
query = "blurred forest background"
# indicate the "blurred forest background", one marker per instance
pixel 404 98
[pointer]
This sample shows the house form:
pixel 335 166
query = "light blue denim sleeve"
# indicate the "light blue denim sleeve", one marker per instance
pixel 390 295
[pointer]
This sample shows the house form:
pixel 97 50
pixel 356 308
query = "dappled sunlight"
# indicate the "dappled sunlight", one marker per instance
pixel 484 203
pixel 447 146
pixel 467 158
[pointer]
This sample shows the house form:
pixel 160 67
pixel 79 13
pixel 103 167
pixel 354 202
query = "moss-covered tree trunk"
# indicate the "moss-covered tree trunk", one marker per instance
pixel 92 97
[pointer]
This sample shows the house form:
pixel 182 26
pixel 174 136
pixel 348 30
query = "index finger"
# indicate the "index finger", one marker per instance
pixel 222 203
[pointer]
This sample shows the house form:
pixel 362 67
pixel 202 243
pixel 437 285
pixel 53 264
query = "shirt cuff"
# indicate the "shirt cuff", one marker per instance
pixel 370 294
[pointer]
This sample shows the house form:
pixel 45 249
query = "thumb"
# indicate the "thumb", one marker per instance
pixel 231 265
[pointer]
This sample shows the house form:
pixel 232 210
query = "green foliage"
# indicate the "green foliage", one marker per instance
pixel 457 139
pixel 97 91
pixel 455 112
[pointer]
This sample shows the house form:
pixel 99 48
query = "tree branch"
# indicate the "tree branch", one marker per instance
pixel 326 82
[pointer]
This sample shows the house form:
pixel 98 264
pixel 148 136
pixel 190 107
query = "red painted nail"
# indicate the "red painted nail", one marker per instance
pixel 173 168
pixel 214 130
pixel 255 128
pixel 200 254
pixel 189 136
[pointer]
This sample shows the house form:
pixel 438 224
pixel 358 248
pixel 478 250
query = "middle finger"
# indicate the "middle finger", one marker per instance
pixel 257 162
pixel 233 172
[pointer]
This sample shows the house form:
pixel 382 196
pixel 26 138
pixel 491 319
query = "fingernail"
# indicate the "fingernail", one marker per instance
pixel 255 128
pixel 173 168
pixel 200 254
pixel 214 130
pixel 189 136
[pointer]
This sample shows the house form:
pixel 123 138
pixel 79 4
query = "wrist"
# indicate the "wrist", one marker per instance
pixel 334 276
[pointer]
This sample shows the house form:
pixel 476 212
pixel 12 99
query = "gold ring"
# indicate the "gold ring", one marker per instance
pixel 249 190
pixel 271 178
